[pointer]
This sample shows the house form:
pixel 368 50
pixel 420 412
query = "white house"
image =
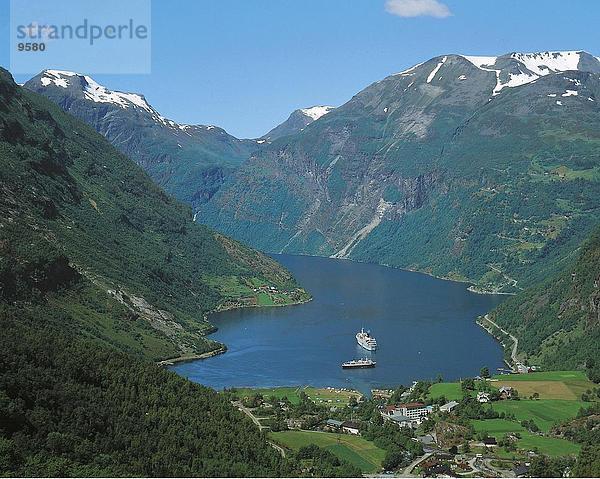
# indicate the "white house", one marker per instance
pixel 449 406
pixel 350 428
pixel 483 397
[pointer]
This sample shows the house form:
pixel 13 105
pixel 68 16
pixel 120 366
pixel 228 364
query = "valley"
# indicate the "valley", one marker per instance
pixel 129 240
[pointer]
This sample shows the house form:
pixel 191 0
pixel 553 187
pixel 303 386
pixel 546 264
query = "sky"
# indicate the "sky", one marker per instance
pixel 245 65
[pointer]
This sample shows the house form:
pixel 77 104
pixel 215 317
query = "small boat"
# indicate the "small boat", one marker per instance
pixel 359 363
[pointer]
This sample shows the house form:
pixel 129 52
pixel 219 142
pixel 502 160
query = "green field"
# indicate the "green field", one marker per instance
pixel 545 445
pixel 318 395
pixel 356 450
pixel 451 391
pixel 544 412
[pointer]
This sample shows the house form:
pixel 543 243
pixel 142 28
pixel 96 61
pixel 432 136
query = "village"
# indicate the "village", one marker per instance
pixel 478 427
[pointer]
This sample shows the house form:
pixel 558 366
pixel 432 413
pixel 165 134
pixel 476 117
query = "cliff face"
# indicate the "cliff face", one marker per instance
pixel 473 168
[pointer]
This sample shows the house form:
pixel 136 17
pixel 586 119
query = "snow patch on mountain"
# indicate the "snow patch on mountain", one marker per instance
pixel 570 93
pixel 531 66
pixel 480 61
pixel 549 62
pixel 436 69
pixel 57 77
pixel 316 112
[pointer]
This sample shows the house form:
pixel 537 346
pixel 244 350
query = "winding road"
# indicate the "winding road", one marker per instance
pixel 515 347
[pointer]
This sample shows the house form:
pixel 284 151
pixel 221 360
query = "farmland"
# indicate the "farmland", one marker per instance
pixel 358 451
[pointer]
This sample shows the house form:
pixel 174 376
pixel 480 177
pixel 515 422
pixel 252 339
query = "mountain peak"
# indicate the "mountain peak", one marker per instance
pixel 298 120
pixel 316 112
pixel 92 90
pixel 511 69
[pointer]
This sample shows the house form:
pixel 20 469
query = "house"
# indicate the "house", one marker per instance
pixel 483 397
pixel 350 428
pixel 399 419
pixel 449 406
pixel 521 470
pixel 294 423
pixel 333 423
pixel 438 470
pixel 505 392
pixel 490 442
pixel 426 440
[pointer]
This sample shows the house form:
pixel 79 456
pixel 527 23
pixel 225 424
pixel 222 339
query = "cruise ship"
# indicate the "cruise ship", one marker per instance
pixel 365 340
pixel 359 363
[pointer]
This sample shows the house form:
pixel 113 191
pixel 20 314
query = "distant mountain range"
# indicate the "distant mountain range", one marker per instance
pixel 188 161
pixel 483 169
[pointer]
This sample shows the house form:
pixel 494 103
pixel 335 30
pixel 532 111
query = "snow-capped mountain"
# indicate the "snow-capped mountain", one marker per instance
pixel 415 170
pixel 516 69
pixel 189 161
pixel 297 121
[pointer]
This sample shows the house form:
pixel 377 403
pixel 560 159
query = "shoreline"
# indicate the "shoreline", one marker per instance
pixel 472 288
pixel 184 358
pixel 192 357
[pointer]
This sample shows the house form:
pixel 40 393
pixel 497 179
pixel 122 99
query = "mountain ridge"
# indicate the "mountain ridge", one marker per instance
pixel 188 161
pixel 363 180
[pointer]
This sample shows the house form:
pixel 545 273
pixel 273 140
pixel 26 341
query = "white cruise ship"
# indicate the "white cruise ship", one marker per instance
pixel 365 340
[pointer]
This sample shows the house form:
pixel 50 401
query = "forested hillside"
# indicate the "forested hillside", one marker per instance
pixel 76 211
pixel 558 321
pixel 101 274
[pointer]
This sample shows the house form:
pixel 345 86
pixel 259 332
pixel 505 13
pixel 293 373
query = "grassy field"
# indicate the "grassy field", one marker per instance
pixel 318 395
pixel 567 385
pixel 451 391
pixel 544 412
pixel 545 445
pixel 356 450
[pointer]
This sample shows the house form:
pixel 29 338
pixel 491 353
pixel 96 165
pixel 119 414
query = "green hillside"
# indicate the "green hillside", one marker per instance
pixel 558 322
pixel 101 274
pixel 76 212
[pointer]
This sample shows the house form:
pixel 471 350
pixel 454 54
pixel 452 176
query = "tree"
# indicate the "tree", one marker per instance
pixel 485 372
pixel 376 418
pixel 466 448
pixel 468 384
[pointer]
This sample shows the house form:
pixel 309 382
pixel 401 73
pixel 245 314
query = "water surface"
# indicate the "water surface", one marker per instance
pixel 424 326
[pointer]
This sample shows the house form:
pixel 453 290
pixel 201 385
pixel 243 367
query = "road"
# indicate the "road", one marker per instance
pixel 513 354
pixel 408 469
pixel 248 413
pixel 256 420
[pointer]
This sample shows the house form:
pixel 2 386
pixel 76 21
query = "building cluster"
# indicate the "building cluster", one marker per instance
pixel 406 414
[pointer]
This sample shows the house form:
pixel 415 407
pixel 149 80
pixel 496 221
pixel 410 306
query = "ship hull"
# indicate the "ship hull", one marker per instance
pixel 361 366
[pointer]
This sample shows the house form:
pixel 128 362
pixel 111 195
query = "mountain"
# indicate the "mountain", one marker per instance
pixel 85 228
pixel 482 169
pixel 557 322
pixel 102 274
pixel 297 121
pixel 188 161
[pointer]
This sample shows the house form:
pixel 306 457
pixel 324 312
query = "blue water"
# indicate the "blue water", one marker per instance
pixel 424 327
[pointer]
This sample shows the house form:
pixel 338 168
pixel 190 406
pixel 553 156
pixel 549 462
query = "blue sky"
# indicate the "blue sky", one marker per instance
pixel 245 65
